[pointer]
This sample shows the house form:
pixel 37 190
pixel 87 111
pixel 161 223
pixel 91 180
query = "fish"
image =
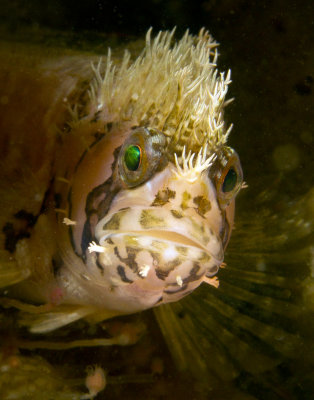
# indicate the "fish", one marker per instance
pixel 118 195
pixel 145 185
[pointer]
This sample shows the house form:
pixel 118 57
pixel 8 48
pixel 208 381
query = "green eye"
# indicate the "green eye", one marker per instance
pixel 133 157
pixel 140 156
pixel 230 181
pixel 228 176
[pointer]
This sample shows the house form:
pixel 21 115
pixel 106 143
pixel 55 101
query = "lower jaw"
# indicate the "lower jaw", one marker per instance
pixel 166 257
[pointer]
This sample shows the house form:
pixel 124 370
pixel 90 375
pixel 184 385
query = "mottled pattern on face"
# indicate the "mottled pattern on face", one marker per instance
pixel 153 233
pixel 166 242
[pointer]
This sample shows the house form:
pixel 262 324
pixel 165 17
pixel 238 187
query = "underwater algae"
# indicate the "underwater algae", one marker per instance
pixel 228 339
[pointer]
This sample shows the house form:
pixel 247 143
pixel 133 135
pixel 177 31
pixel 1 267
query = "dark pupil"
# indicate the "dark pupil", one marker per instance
pixel 230 181
pixel 132 157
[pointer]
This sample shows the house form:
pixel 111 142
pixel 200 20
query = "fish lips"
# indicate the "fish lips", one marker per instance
pixel 163 225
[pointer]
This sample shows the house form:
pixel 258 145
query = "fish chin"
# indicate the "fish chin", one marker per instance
pixel 164 223
pixel 171 259
pixel 156 261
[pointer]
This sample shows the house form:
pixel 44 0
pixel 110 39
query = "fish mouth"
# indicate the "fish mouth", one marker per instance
pixel 187 232
pixel 171 236
pixel 168 237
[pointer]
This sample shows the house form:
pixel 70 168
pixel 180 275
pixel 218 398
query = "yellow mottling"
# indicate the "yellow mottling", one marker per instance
pixel 150 220
pixel 131 241
pixel 203 205
pixel 113 223
pixel 204 257
pixel 157 244
pixel 185 199
pixel 176 214
pixel 199 229
pixel 182 250
pixel 163 197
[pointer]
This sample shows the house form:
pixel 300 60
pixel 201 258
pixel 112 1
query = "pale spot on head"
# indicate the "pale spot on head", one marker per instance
pixel 145 241
pixel 170 253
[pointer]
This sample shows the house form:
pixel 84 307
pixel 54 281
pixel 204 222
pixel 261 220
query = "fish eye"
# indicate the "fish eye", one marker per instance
pixel 228 177
pixel 133 157
pixel 230 181
pixel 140 155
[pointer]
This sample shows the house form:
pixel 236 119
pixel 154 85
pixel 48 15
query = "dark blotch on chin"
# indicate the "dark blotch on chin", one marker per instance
pixel 121 272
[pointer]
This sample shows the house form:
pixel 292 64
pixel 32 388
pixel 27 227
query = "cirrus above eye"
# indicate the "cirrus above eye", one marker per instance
pixel 141 155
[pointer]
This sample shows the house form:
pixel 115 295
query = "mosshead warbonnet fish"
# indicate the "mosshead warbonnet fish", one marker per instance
pixel 136 204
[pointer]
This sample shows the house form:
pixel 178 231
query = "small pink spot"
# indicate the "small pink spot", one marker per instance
pixel 55 296
pixel 95 380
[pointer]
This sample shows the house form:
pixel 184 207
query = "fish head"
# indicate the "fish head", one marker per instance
pixel 158 225
pixel 153 198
